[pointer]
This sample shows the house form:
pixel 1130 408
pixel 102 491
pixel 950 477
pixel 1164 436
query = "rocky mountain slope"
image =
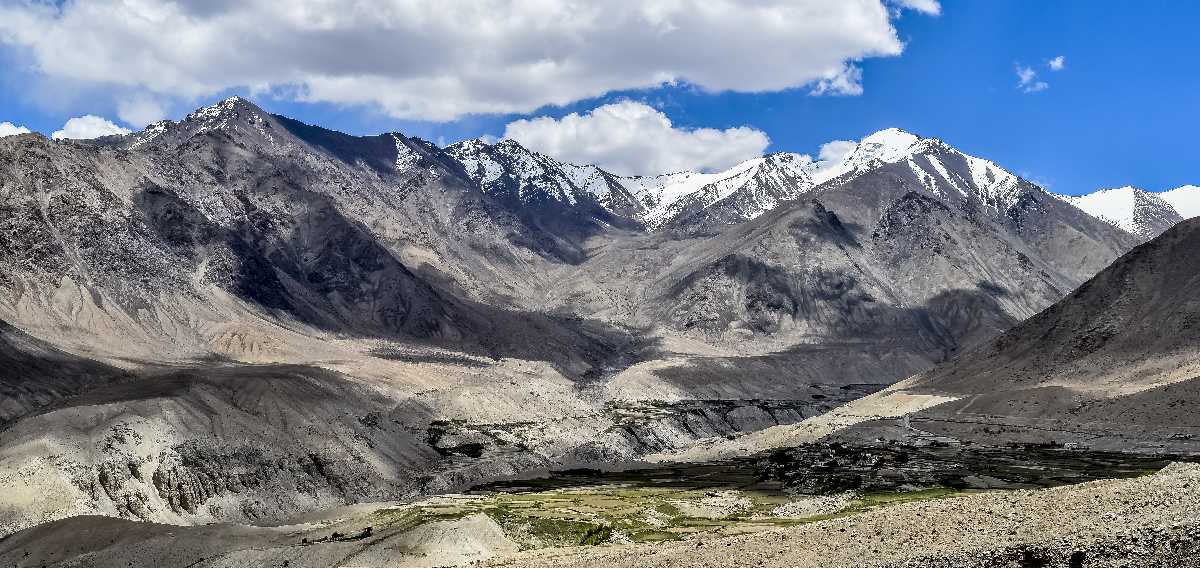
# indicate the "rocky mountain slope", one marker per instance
pixel 233 215
pixel 267 293
pixel 869 250
pixel 1112 365
pixel 239 316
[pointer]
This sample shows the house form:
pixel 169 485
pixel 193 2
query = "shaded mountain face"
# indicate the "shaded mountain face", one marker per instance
pixel 572 203
pixel 1113 364
pixel 34 374
pixel 365 318
pixel 237 215
pixel 930 221
pixel 887 270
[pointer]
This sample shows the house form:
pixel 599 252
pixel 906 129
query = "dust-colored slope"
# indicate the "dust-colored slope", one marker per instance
pixel 1113 364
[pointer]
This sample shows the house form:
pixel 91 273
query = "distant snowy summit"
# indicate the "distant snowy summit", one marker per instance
pixel 1140 212
pixel 1185 199
pixel 756 186
pixel 740 193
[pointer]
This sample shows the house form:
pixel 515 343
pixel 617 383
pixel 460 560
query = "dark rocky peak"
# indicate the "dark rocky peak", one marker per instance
pixel 234 118
pixel 232 108
pixel 387 154
pixel 243 123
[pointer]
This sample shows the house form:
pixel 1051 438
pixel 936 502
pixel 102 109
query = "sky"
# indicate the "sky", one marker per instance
pixel 1073 95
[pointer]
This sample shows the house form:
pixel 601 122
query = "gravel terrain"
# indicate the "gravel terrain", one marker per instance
pixel 1148 521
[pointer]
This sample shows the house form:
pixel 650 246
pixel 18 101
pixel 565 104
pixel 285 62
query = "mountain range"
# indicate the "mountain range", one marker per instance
pixel 751 188
pixel 239 317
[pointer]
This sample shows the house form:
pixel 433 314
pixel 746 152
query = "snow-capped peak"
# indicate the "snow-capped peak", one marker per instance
pixel 888 145
pixel 232 115
pixel 1132 209
pixel 508 168
pixel 885 146
pixel 231 106
pixel 939 167
pixel 148 134
pixel 1185 199
pixel 745 190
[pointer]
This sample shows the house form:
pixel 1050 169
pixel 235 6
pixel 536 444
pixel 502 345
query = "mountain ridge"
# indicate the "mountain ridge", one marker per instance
pixel 1134 210
pixel 513 173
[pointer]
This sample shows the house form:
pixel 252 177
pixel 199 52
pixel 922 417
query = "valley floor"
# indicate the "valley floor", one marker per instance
pixel 693 515
pixel 1148 521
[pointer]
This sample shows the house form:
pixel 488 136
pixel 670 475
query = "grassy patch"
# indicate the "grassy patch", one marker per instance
pixel 596 535
pixel 591 516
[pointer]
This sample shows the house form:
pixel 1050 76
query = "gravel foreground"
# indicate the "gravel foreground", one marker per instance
pixel 1153 521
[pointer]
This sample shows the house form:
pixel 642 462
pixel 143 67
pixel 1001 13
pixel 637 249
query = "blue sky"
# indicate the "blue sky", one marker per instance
pixel 1122 110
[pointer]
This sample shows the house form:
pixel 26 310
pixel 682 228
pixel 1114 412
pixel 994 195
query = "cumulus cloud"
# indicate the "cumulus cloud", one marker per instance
pixel 845 81
pixel 419 59
pixel 1057 64
pixel 87 127
pixel 632 138
pixel 930 7
pixel 1027 80
pixel 10 129
pixel 141 110
pixel 835 151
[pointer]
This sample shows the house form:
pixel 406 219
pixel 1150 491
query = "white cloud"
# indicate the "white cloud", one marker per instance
pixel 835 151
pixel 141 110
pixel 10 129
pixel 1057 64
pixel 844 81
pixel 930 7
pixel 633 138
pixel 421 59
pixel 87 127
pixel 1028 82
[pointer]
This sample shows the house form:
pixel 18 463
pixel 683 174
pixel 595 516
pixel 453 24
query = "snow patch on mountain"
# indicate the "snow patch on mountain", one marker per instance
pixel 151 132
pixel 221 115
pixel 886 146
pixel 231 115
pixel 406 158
pixel 1185 200
pixel 508 168
pixel 1134 210
pixel 939 166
